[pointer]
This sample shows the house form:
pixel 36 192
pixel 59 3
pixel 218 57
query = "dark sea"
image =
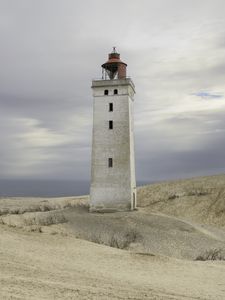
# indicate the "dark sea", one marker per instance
pixel 45 188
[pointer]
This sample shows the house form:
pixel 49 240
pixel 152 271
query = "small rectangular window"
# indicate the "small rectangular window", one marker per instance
pixel 110 124
pixel 110 106
pixel 110 162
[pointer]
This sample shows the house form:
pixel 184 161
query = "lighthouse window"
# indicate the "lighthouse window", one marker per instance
pixel 115 92
pixel 106 92
pixel 110 162
pixel 110 106
pixel 110 124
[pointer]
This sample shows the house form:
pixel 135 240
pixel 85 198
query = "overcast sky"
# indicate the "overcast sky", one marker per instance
pixel 51 50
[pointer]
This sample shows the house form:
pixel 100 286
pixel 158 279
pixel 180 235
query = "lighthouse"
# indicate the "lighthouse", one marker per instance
pixel 113 183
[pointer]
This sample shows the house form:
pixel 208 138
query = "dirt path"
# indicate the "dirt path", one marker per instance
pixel 213 232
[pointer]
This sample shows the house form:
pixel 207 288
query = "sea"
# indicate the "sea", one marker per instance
pixel 45 188
pixel 42 188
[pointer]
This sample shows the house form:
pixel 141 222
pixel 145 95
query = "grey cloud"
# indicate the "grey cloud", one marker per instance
pixel 50 51
pixel 189 145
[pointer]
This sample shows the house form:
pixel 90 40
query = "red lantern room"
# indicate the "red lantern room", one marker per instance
pixel 114 67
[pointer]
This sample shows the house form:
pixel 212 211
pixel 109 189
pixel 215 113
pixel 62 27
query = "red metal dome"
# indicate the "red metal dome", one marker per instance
pixel 114 66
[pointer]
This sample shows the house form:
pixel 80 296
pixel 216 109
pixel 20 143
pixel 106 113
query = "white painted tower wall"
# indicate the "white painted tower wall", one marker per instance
pixel 113 188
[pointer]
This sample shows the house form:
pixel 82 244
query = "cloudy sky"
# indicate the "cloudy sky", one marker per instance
pixel 52 49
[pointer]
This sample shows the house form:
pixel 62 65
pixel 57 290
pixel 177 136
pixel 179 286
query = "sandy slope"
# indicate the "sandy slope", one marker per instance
pixel 42 266
pixel 46 253
pixel 200 199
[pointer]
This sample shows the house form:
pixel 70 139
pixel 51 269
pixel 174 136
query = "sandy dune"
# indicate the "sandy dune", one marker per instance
pixel 41 266
pixel 46 250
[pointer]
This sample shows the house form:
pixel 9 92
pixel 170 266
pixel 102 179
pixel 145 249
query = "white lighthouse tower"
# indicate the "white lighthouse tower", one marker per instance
pixel 113 183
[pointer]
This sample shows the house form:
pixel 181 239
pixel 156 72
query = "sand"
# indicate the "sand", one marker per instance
pixel 46 250
pixel 41 266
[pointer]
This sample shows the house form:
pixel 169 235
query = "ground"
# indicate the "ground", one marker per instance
pixel 55 249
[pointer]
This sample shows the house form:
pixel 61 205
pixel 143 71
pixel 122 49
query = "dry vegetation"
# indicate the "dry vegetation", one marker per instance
pixel 120 240
pixel 212 254
pixel 173 218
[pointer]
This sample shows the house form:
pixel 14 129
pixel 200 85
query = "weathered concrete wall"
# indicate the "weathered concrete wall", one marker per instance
pixel 113 188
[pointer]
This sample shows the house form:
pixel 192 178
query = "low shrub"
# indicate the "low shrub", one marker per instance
pixel 120 240
pixel 212 254
pixel 196 189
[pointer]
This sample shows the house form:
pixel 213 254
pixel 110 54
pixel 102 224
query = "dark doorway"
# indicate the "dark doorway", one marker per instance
pixel 134 201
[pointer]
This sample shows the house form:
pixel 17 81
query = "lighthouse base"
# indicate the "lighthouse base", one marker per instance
pixel 103 209
pixel 112 199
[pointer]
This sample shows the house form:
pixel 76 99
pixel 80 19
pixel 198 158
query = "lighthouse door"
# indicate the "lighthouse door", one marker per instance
pixel 134 201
